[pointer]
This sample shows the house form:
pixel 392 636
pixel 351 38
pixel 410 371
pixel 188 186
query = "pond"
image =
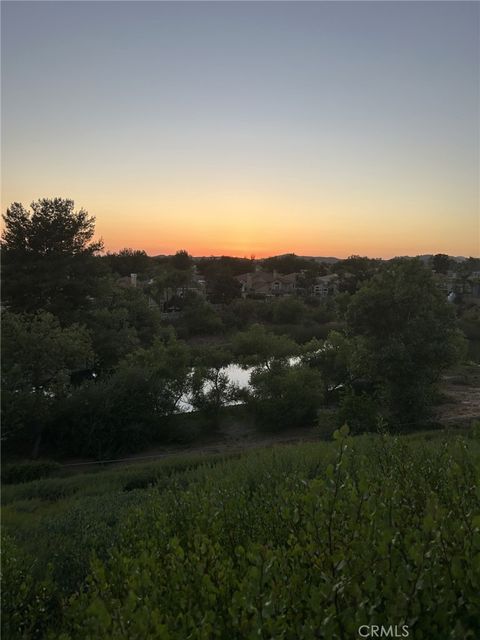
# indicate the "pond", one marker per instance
pixel 240 376
pixel 236 374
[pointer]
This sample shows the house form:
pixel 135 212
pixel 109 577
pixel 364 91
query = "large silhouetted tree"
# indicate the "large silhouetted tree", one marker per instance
pixel 48 256
pixel 52 227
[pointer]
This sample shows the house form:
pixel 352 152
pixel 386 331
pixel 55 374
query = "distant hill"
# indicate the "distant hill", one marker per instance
pixel 426 257
pixel 329 259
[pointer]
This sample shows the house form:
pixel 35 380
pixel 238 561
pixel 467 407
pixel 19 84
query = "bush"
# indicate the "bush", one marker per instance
pixel 297 544
pixel 359 411
pixel 285 396
pixel 46 489
pixel 28 471
pixel 288 311
pixel 474 432
pixel 105 418
pixel 28 605
pixel 142 480
pixel 199 318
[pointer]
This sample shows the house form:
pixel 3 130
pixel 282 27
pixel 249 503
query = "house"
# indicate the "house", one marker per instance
pixel 262 283
pixel 325 286
pixel 198 284
pixel 474 283
pixel 128 281
pixel 460 285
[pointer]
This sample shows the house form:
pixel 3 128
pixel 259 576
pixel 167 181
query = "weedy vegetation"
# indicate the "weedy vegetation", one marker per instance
pixel 304 541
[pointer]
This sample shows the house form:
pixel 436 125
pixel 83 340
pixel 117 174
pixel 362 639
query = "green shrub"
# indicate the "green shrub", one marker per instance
pixel 292 542
pixel 300 548
pixel 475 430
pixel 28 471
pixel 359 411
pixel 285 396
pixel 28 605
pixel 142 480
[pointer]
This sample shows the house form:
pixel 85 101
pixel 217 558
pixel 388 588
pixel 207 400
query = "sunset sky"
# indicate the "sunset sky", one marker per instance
pixel 320 128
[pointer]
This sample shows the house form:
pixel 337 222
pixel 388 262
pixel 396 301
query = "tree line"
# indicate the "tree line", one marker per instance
pixel 92 367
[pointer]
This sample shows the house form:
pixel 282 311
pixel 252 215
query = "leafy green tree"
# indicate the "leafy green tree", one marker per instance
pixel 258 346
pixel 132 407
pixel 332 358
pixel 113 336
pixel 38 358
pixel 223 287
pixel 441 263
pixel 128 261
pixel 211 386
pixel 120 320
pixel 324 311
pixel 288 311
pixel 143 315
pixel 359 410
pixel 209 267
pixel 353 271
pixel 199 318
pixel 405 336
pixel 241 313
pixel 169 286
pixel 48 257
pixel 182 260
pixel 53 227
pixel 285 396
pixel 465 269
pixel 107 416
pixel 291 263
pixel 166 367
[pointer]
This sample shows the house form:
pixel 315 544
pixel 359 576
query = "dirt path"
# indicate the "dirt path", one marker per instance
pixel 227 441
pixel 462 403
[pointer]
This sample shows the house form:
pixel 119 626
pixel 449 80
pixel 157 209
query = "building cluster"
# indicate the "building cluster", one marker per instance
pixel 263 284
pixel 456 284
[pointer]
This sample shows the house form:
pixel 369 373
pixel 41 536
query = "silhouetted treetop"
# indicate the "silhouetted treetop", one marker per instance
pixel 48 258
pixel 182 260
pixel 52 227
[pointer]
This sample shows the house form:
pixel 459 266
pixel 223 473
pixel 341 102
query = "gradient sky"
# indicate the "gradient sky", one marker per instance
pixel 320 128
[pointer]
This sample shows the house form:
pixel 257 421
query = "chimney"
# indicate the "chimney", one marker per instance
pixel 133 279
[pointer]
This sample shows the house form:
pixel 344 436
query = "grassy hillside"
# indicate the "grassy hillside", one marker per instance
pixel 305 541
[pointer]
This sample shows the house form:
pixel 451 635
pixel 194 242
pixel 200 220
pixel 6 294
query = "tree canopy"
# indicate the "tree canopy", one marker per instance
pixel 38 359
pixel 52 227
pixel 405 336
pixel 259 346
pixel 48 257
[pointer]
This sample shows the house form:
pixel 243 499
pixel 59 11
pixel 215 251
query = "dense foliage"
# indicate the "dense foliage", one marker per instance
pixel 100 352
pixel 101 355
pixel 405 336
pixel 39 357
pixel 285 395
pixel 289 543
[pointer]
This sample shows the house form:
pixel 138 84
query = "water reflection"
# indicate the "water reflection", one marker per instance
pixel 240 376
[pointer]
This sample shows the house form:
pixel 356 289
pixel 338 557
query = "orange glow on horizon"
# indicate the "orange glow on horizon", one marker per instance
pixel 263 223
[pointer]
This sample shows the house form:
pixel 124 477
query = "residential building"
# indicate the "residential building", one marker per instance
pixel 268 284
pixel 325 286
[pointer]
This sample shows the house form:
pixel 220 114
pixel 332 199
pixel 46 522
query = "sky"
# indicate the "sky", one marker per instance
pixel 249 128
